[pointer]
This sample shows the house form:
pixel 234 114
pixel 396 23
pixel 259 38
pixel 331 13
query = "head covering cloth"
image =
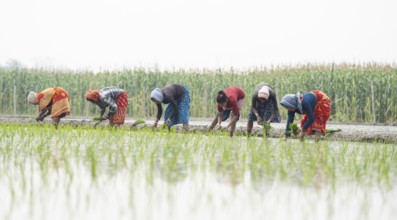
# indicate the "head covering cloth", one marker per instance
pixel 292 101
pixel 157 94
pixel 92 95
pixel 32 98
pixel 263 93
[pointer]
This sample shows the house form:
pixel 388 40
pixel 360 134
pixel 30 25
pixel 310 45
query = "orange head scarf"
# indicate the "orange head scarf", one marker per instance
pixel 92 95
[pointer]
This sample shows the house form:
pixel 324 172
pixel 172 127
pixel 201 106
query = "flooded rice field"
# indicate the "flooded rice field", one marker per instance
pixel 78 172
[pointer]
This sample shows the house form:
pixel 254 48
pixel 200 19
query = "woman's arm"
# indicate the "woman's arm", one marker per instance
pixel 102 111
pixel 253 107
pixel 112 107
pixel 220 117
pixel 310 115
pixel 233 120
pixel 273 99
pixel 214 122
pixel 174 109
pixel 44 113
pixel 159 113
pixel 291 117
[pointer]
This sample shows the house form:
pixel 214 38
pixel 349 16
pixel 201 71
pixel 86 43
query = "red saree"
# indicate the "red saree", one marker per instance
pixel 322 112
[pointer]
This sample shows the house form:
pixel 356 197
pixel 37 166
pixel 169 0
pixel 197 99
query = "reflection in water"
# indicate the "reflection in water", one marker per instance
pixel 171 171
pixel 132 175
pixel 196 196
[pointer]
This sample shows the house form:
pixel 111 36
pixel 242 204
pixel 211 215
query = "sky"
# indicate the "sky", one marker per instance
pixel 107 34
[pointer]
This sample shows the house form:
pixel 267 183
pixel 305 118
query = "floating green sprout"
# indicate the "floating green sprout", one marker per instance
pixel 97 118
pixel 138 122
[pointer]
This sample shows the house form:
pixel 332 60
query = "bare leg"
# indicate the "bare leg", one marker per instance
pixel 233 123
pixel 250 124
pixel 56 122
pixel 232 128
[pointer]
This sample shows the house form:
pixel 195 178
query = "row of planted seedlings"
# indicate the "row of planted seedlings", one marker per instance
pixel 359 93
pixel 37 153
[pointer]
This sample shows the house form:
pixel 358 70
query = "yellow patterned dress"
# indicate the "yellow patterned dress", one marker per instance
pixel 58 98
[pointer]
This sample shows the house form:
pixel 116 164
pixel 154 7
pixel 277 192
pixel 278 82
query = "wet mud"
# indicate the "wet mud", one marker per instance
pixel 349 132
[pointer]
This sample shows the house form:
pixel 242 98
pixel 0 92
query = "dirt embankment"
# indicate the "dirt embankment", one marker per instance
pixel 349 132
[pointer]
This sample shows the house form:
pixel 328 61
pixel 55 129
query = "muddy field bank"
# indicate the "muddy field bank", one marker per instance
pixel 349 132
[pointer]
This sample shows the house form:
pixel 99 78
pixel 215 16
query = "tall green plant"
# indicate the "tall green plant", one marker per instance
pixel 359 93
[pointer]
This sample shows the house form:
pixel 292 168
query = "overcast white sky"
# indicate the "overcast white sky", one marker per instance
pixel 196 33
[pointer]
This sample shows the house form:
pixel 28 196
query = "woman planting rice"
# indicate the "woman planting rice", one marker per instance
pixel 177 97
pixel 52 101
pixel 114 98
pixel 316 108
pixel 264 108
pixel 231 99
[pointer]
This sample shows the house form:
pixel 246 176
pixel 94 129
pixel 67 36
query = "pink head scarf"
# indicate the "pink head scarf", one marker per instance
pixel 264 92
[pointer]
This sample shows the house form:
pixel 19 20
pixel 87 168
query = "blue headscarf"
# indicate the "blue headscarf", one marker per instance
pixel 157 94
pixel 292 101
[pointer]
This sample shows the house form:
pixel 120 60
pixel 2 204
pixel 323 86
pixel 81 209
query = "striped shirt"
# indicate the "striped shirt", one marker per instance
pixel 107 98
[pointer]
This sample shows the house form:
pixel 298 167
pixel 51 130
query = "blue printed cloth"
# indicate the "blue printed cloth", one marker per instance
pixel 265 111
pixel 182 117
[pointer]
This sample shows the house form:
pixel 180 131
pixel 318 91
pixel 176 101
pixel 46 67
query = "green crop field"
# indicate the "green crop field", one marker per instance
pixel 359 93
pixel 73 172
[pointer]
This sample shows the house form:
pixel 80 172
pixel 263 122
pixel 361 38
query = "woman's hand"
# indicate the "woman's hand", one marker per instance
pixel 260 120
pixel 271 118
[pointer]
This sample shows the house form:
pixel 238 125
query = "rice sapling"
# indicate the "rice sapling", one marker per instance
pixel 266 128
pixel 331 131
pixel 294 128
pixel 138 122
pixel 97 118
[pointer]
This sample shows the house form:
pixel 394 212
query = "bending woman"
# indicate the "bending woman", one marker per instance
pixel 177 96
pixel 52 101
pixel 315 107
pixel 114 98
pixel 229 100
pixel 264 106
